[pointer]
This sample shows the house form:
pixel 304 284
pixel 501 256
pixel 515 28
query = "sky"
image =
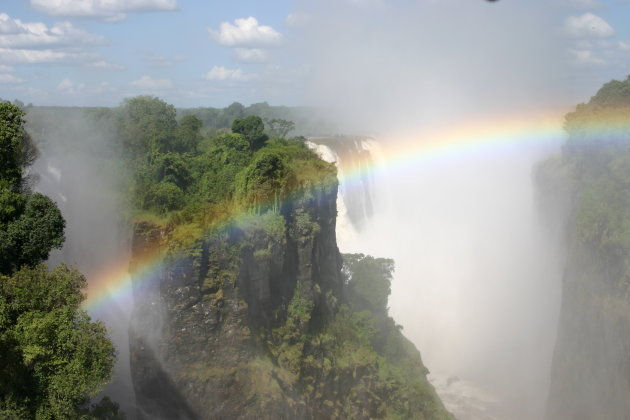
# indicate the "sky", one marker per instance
pixel 286 52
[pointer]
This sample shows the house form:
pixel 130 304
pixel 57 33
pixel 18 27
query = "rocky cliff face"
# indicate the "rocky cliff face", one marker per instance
pixel 199 313
pixel 591 366
pixel 590 376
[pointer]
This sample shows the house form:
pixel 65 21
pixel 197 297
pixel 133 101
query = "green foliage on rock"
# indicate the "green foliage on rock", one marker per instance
pixel 369 282
pixel 266 181
pixel 359 365
pixel 176 169
pixel 53 356
pixel 597 154
pixel 613 94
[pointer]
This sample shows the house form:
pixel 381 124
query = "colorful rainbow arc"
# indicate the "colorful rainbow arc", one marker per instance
pixel 465 141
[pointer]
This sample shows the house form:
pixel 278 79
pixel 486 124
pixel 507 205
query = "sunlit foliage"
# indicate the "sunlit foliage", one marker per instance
pixel 53 356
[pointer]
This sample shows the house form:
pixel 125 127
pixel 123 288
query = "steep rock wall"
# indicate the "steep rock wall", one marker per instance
pixel 590 376
pixel 195 345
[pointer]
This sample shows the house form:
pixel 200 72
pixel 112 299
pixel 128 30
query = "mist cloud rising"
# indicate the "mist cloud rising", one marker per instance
pixel 393 64
pixel 478 279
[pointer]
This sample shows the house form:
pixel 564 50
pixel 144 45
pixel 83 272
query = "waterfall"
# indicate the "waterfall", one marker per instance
pixel 356 199
pixel 477 281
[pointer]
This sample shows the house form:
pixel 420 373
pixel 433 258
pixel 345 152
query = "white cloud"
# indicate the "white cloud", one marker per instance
pixel 24 56
pixel 251 55
pixel 17 34
pixel 147 82
pixel 245 33
pixel 221 73
pixel 104 87
pixel 9 78
pixel 108 10
pixel 104 65
pixel 587 26
pixel 624 45
pixel 6 69
pixel 161 61
pixel 586 58
pixel 65 84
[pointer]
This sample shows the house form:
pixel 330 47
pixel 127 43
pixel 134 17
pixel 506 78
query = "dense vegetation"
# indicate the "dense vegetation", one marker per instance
pixel 595 165
pixel 52 357
pixel 179 172
pixel 279 120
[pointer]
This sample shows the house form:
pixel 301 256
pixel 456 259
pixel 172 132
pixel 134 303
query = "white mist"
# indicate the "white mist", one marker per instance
pixel 477 281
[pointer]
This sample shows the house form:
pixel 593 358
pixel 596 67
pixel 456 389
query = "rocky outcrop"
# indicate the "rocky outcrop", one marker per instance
pixel 248 320
pixel 201 312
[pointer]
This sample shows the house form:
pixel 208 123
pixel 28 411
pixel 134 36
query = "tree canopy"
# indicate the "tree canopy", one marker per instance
pixel 53 356
pixel 17 150
pixel 278 127
pixel 31 225
pixel 252 128
pixel 369 281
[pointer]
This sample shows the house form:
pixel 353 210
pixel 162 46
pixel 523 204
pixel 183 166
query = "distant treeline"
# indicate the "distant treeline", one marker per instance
pixel 307 120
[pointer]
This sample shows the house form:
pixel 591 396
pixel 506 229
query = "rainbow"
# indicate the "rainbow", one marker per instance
pixel 465 140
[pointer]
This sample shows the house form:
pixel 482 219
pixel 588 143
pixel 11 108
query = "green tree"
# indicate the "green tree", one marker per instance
pixel 28 238
pixel 30 224
pixel 216 170
pixel 369 282
pixel 17 150
pixel 187 135
pixel 233 111
pixel 266 181
pixel 252 128
pixel 53 357
pixel 613 94
pixel 147 127
pixel 164 197
pixel 172 167
pixel 277 127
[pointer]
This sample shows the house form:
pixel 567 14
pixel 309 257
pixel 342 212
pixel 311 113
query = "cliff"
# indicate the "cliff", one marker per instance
pixel 250 321
pixel 590 376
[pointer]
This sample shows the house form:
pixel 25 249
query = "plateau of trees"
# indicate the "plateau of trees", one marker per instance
pixel 178 169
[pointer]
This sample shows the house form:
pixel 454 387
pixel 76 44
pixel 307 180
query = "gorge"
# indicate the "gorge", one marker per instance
pixel 253 305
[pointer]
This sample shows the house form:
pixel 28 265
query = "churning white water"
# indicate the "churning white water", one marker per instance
pixel 477 281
